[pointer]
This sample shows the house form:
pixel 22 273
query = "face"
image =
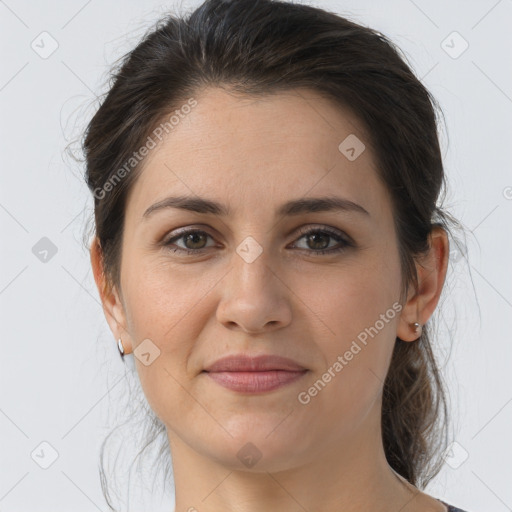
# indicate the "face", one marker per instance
pixel 321 288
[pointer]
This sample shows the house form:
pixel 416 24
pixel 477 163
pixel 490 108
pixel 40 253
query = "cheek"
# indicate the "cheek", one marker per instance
pixel 359 310
pixel 165 306
pixel 162 299
pixel 348 299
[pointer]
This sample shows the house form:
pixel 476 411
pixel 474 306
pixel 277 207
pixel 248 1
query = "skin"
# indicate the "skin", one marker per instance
pixel 253 154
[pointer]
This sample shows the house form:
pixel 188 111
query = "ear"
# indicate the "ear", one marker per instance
pixel 112 305
pixel 431 271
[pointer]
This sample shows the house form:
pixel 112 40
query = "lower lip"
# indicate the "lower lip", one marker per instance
pixel 255 382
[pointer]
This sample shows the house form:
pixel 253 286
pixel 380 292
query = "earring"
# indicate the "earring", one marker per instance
pixel 121 348
pixel 417 327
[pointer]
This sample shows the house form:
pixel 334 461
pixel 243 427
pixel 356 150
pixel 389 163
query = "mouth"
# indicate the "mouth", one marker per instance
pixel 257 374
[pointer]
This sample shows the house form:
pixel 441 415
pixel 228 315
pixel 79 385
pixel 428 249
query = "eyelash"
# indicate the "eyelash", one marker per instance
pixel 303 232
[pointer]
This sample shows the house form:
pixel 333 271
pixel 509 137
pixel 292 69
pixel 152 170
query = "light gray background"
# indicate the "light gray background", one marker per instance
pixel 59 365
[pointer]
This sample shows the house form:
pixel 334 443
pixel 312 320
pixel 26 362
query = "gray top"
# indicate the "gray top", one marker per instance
pixel 451 508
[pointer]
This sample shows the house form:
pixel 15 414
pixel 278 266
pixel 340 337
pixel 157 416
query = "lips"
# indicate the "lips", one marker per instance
pixel 259 374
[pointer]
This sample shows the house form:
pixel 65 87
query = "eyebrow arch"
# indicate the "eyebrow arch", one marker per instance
pixel 290 208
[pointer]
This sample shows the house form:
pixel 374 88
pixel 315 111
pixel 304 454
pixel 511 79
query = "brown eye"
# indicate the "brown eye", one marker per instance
pixel 194 240
pixel 318 240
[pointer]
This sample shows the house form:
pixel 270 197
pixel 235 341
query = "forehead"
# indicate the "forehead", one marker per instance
pixel 246 151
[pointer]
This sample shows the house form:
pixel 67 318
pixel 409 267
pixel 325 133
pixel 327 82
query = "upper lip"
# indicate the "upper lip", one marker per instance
pixel 244 363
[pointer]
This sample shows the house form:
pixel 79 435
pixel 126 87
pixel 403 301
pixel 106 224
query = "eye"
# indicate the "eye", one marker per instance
pixel 192 238
pixel 318 240
pixel 194 241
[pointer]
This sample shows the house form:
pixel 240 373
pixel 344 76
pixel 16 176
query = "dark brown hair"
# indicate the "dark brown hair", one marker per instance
pixel 260 47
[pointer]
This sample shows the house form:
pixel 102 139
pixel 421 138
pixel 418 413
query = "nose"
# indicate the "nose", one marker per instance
pixel 254 296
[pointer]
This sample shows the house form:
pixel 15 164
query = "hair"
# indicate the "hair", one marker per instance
pixel 261 47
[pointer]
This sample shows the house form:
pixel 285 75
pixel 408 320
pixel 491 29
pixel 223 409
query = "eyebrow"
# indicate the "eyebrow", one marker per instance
pixel 290 208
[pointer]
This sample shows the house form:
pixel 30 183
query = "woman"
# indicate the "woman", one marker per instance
pixel 269 249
